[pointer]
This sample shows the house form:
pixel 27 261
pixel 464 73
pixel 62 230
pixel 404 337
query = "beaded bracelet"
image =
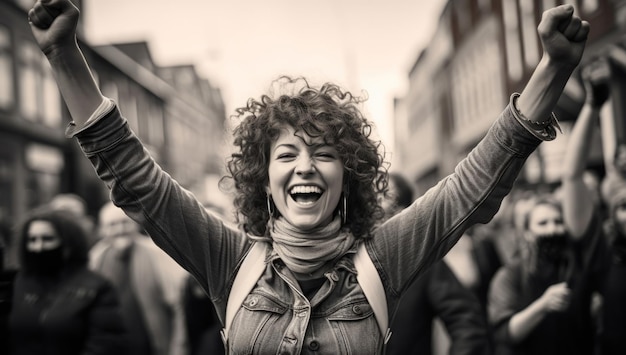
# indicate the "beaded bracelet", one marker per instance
pixel 543 130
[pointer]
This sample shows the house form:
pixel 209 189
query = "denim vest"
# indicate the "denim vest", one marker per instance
pixel 276 317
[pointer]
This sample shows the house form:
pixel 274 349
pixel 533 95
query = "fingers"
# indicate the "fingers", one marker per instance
pixel 576 30
pixel 582 33
pixel 557 18
pixel 561 298
pixel 571 27
pixel 44 12
pixel 562 19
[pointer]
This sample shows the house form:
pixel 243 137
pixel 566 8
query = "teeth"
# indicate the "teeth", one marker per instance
pixel 305 189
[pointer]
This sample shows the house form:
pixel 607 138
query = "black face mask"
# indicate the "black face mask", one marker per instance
pixel 46 262
pixel 551 248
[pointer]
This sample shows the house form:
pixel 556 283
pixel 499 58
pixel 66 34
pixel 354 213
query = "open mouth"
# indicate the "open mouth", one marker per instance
pixel 305 194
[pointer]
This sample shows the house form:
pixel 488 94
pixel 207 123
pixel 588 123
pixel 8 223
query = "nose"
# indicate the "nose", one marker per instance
pixel 305 166
pixel 556 228
pixel 36 245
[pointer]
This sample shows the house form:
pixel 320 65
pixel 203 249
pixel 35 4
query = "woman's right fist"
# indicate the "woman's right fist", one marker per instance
pixel 556 298
pixel 53 23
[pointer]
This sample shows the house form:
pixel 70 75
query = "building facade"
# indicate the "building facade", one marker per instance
pixel 175 112
pixel 481 52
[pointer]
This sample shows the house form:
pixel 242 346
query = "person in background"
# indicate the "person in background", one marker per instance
pixel 584 215
pixel 7 277
pixel 77 206
pixel 59 306
pixel 201 322
pixel 149 282
pixel 435 294
pixel 307 175
pixel 541 302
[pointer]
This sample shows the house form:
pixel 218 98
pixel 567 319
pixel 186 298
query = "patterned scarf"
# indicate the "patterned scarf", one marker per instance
pixel 305 252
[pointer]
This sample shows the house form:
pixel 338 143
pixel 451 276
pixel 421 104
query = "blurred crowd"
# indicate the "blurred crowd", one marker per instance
pixel 543 277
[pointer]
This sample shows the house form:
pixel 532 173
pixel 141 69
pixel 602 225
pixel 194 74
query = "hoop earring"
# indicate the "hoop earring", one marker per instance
pixel 344 209
pixel 270 210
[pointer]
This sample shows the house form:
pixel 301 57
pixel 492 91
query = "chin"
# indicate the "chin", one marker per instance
pixel 306 224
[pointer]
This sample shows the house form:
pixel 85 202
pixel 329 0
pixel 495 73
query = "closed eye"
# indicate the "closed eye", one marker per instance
pixel 285 156
pixel 325 155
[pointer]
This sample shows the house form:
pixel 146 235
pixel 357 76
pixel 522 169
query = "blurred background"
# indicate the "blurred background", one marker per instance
pixel 436 72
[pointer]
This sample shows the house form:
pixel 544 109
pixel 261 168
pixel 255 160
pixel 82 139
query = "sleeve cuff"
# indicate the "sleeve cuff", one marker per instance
pixel 545 130
pixel 106 106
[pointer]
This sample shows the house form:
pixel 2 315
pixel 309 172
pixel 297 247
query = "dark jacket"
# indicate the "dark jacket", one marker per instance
pixel 570 332
pixel 75 314
pixel 438 293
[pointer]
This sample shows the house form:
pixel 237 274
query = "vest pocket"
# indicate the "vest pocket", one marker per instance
pixel 256 324
pixel 355 318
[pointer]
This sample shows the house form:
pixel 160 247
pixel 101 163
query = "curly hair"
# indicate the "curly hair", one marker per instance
pixel 326 112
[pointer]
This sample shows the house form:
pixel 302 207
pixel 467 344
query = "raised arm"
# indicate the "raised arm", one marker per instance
pixel 429 228
pixel 577 211
pixel 198 240
pixel 563 38
pixel 53 23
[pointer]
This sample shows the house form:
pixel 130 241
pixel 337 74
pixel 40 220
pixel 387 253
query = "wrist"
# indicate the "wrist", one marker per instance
pixel 544 130
pixel 58 53
pixel 559 66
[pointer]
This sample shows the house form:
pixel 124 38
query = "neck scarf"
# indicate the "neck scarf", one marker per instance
pixel 305 252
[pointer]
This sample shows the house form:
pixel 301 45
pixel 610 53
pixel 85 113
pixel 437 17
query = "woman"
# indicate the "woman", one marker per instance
pixel 59 306
pixel 609 256
pixel 540 303
pixel 307 176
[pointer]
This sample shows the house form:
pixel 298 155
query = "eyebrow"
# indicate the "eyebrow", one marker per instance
pixel 312 146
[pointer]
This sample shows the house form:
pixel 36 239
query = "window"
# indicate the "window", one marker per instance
pixel 40 100
pixel 513 45
pixel 51 103
pixel 7 95
pixel 43 177
pixel 529 33
pixel 29 71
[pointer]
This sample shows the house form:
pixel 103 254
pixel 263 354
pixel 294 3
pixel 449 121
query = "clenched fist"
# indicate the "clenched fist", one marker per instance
pixel 53 23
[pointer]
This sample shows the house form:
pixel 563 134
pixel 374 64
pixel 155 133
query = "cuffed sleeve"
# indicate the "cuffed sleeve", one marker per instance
pixel 545 131
pixel 106 106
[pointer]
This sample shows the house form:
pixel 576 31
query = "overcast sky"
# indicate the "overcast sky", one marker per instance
pixel 242 45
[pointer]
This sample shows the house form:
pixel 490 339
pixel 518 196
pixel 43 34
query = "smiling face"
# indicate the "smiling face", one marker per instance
pixel 305 179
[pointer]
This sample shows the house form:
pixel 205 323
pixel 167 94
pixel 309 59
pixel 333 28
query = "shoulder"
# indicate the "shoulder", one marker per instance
pixel 508 274
pixel 88 279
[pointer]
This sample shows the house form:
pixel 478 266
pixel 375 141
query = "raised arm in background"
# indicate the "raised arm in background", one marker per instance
pixel 577 211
